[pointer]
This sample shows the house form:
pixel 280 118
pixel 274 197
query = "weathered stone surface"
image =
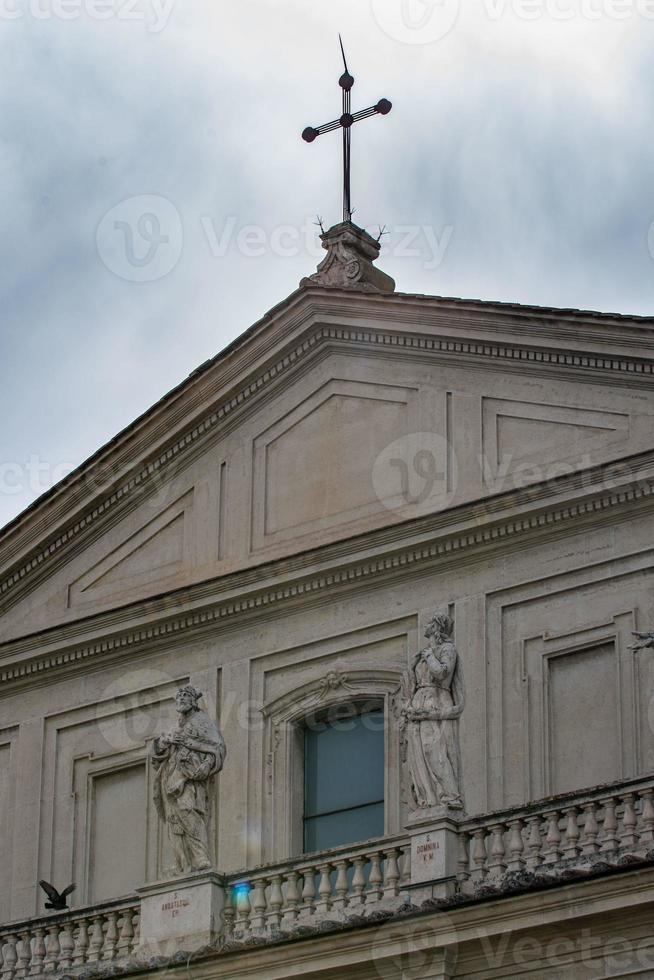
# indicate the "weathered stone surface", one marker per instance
pixel 348 264
pixel 184 913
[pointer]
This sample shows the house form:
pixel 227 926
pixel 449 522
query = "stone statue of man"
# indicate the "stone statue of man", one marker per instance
pixel 186 762
pixel 432 704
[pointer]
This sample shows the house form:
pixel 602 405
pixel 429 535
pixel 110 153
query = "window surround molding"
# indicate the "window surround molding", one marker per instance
pixel 283 800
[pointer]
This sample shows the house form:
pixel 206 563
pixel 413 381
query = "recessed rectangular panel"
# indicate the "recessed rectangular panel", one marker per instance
pixel 117 861
pixel 323 465
pixel 584 720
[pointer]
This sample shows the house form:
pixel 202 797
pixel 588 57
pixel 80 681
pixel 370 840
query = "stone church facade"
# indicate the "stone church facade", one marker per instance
pixel 278 533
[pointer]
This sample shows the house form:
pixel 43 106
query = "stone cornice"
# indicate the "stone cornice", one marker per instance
pixel 467 534
pixel 512 356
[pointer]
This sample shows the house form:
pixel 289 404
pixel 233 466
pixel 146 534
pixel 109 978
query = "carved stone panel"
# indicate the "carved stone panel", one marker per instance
pixel 314 466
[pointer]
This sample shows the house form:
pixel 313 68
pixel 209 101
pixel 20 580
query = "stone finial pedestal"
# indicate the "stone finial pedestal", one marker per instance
pixel 348 264
pixel 184 913
pixel 434 853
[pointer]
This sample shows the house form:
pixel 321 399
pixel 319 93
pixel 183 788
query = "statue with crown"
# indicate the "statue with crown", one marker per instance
pixel 186 762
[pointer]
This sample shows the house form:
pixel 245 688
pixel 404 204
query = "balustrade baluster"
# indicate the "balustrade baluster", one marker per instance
pixel 405 866
pixel 243 908
pixel 358 882
pixel 516 846
pixel 553 838
pixel 609 841
pixel 479 869
pixel 375 878
pixel 629 837
pixel 391 873
pixel 51 961
pixel 275 902
pixel 81 943
pixel 647 818
pixel 229 914
pixel 24 954
pixel 38 953
pixel 96 940
pixel 67 945
pixel 9 956
pixel 111 937
pixel 309 892
pixel 323 904
pixel 589 843
pixel 570 847
pixel 259 905
pixel 534 844
pixel 463 859
pixel 292 900
pixel 341 886
pixel 24 951
pixel 126 938
pixel 496 865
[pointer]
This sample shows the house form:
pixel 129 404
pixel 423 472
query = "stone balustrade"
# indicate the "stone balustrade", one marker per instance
pixel 66 942
pixel 352 881
pixel 613 824
pixel 553 839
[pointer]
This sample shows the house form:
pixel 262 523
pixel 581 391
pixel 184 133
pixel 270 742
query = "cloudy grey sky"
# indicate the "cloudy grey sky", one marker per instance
pixel 157 198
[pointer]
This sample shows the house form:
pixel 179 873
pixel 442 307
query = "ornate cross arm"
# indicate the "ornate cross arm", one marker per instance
pixel 383 107
pixel 345 122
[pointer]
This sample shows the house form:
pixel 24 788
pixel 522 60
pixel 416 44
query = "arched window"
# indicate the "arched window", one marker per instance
pixel 344 776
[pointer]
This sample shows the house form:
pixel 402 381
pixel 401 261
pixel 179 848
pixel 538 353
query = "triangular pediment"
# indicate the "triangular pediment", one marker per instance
pixel 339 413
pixel 147 558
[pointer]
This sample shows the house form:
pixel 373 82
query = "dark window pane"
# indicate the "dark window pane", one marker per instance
pixel 344 764
pixel 346 827
pixel 344 781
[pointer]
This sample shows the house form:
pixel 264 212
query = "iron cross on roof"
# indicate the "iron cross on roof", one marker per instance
pixel 383 107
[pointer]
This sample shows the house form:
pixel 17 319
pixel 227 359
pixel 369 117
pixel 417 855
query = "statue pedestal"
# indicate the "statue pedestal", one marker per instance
pixel 184 913
pixel 434 853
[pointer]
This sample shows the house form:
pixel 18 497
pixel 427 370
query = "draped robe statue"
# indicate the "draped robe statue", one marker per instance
pixel 432 704
pixel 186 762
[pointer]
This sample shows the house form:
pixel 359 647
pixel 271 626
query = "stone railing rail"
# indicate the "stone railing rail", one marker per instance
pixel 317 888
pixel 610 825
pixel 604 824
pixel 66 942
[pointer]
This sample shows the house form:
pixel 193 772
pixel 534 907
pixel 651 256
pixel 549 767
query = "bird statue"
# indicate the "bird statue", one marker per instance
pixel 643 640
pixel 57 899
